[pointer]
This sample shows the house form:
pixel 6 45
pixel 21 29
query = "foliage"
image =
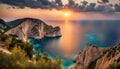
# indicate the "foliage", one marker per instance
pixel 19 60
pixel 10 41
pixel 14 61
pixel 21 57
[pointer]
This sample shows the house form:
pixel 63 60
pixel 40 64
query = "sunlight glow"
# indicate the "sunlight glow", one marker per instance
pixel 67 14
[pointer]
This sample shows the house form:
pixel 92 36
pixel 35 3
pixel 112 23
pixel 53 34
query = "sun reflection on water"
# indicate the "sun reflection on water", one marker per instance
pixel 66 43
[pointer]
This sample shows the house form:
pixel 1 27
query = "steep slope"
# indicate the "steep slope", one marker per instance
pixel 32 28
pixel 97 58
pixel 111 57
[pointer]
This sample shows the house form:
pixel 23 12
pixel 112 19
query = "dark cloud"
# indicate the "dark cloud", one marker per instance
pixel 57 4
pixel 117 7
pixel 91 7
pixel 105 1
pixel 27 3
pixel 71 3
pixel 102 1
pixel 100 8
pixel 84 3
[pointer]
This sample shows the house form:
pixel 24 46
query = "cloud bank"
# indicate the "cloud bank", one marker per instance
pixel 83 6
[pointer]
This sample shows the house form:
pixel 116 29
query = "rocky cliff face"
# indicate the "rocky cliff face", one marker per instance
pixel 3 25
pixel 32 28
pixel 98 58
pixel 110 59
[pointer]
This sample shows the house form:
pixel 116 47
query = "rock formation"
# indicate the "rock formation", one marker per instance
pixel 98 58
pixel 3 25
pixel 32 28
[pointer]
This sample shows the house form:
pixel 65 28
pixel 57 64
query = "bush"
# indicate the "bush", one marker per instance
pixel 19 60
pixel 21 57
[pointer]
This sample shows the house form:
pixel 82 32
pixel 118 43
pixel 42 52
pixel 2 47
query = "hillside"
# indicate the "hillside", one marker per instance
pixel 30 28
pixel 16 54
pixel 98 58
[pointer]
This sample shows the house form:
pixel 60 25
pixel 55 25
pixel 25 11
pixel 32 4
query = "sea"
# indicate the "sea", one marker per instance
pixel 75 36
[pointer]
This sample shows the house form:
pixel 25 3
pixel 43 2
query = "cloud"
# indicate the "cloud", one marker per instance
pixel 117 7
pixel 57 4
pixel 91 7
pixel 105 1
pixel 71 3
pixel 102 1
pixel 27 3
pixel 84 3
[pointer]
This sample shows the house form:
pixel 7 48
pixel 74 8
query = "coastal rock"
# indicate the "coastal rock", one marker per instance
pixel 3 25
pixel 110 58
pixel 32 28
pixel 98 58
pixel 87 56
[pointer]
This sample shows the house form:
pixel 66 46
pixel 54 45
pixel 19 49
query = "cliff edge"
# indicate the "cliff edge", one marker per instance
pixel 31 28
pixel 93 57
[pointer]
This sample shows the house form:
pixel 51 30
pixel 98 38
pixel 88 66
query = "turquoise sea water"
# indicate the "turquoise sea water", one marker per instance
pixel 75 36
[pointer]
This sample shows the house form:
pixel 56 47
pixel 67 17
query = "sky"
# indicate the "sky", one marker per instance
pixel 57 9
pixel 94 1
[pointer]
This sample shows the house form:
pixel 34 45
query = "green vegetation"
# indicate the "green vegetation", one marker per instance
pixel 19 60
pixel 22 55
pixel 10 41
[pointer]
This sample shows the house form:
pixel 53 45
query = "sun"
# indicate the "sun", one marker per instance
pixel 67 14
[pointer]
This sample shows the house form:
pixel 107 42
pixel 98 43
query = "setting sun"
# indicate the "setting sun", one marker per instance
pixel 67 14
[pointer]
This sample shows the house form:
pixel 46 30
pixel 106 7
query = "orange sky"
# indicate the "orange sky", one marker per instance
pixel 9 13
